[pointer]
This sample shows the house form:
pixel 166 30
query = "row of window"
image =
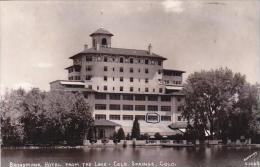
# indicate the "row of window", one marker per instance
pixel 131 89
pixel 136 97
pixel 132 107
pixel 121 79
pixel 131 117
pixel 172 82
pixel 75 77
pixel 131 69
pixel 124 60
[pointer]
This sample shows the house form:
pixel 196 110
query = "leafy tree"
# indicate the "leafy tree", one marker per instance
pixel 158 136
pixel 38 117
pixel 120 134
pixel 135 130
pixel 217 100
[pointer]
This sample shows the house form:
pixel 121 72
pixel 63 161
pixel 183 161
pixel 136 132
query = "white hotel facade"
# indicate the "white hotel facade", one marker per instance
pixel 123 84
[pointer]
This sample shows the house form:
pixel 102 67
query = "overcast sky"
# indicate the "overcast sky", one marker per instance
pixel 38 37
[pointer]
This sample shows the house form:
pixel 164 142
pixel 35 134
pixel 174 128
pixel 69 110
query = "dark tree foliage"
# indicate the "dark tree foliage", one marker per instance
pixel 45 118
pixel 120 134
pixel 219 101
pixel 135 130
pixel 158 136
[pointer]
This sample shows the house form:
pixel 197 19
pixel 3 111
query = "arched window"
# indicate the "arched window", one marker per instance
pixel 104 42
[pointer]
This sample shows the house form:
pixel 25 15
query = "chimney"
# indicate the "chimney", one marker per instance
pixel 150 49
pixel 85 47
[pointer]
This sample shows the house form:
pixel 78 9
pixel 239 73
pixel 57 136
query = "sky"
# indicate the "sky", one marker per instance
pixel 37 38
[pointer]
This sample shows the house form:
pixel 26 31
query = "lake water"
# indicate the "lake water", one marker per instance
pixel 135 157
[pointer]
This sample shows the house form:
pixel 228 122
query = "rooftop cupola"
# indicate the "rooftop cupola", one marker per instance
pixel 101 38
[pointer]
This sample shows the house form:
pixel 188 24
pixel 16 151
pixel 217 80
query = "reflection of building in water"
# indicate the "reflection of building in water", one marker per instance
pixel 124 84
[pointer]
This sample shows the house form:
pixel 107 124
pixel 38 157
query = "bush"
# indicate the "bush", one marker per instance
pixel 136 130
pixel 158 136
pixel 120 134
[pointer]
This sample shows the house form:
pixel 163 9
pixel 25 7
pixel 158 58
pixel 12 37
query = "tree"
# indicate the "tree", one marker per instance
pixel 135 130
pixel 120 134
pixel 158 136
pixel 11 113
pixel 216 100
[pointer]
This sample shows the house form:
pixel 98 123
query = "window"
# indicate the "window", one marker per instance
pixel 140 97
pixel 152 98
pixel 179 118
pixel 160 90
pixel 114 117
pixel 113 69
pixel 166 118
pixel 100 117
pixel 105 87
pixel 152 117
pixel 146 89
pixel 105 78
pixel 121 79
pixel 104 41
pixel 139 70
pixel 179 108
pixel 128 117
pixel 140 117
pixel 114 96
pixel 105 68
pixel 70 70
pixel 131 89
pixel 88 68
pixel 131 79
pixel 139 89
pixel 90 86
pixel 105 59
pixel 140 107
pixel 100 96
pixel 165 98
pixel 178 99
pixel 153 90
pixel 152 108
pixel 121 60
pixel 128 107
pixel 128 97
pixel 113 78
pixel 146 80
pixel 165 108
pixel 146 71
pixel 70 78
pixel 76 77
pixel 88 58
pixel 159 63
pixel 131 70
pixel 97 87
pixel 114 107
pixel 131 60
pixel 121 88
pixel 159 71
pixel 100 106
pixel 113 88
pixel 146 61
pixel 121 69
pixel 88 77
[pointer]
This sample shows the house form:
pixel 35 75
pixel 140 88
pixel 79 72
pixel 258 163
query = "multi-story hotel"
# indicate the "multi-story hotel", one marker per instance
pixel 123 84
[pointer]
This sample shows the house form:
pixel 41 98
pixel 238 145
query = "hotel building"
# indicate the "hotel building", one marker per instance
pixel 123 84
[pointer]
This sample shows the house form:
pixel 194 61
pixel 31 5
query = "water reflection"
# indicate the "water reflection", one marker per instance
pixel 183 157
